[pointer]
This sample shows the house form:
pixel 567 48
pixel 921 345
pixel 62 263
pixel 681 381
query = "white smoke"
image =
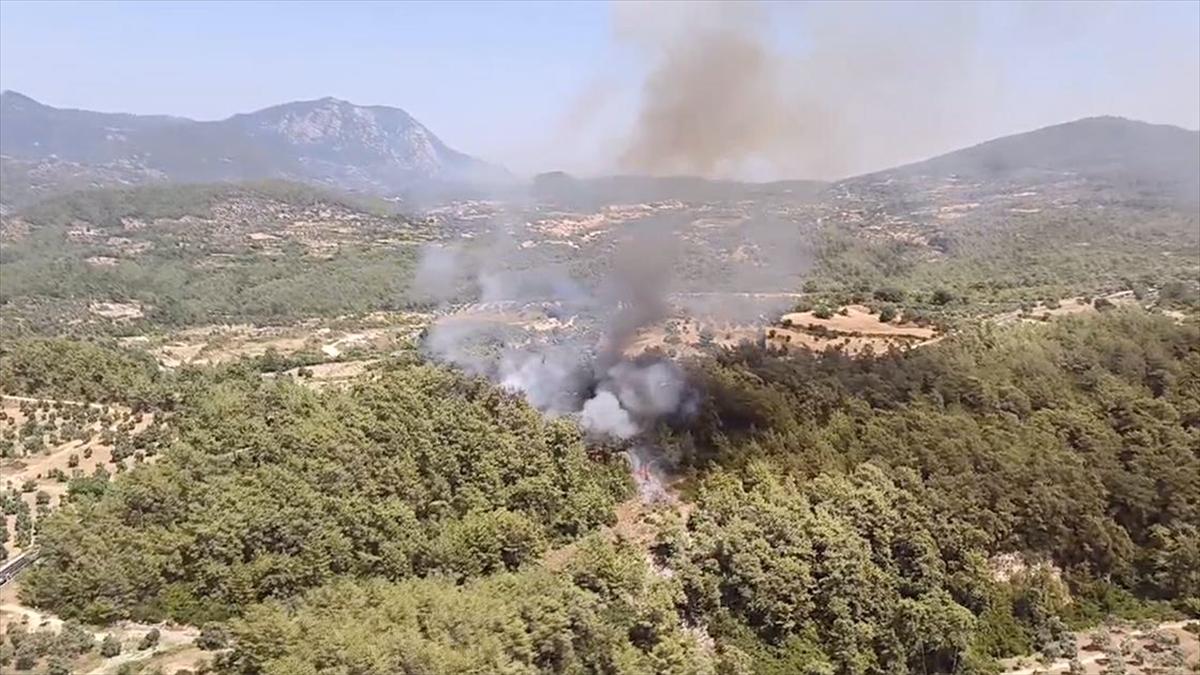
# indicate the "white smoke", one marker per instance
pixel 603 414
pixel 439 273
pixel 651 391
pixel 549 377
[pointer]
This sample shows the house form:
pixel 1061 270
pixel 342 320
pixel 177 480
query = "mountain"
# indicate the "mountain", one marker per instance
pixel 1118 151
pixel 372 148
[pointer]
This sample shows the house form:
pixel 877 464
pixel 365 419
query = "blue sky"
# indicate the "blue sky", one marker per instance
pixel 540 86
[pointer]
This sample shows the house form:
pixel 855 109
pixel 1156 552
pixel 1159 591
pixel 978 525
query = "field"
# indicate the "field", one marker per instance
pixel 59 440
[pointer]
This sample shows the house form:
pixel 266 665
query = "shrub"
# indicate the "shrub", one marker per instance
pixel 942 297
pixel 889 294
pixel 149 640
pixel 212 636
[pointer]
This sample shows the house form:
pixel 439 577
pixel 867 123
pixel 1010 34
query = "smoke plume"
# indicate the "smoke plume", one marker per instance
pixel 581 371
pixel 828 90
pixel 713 100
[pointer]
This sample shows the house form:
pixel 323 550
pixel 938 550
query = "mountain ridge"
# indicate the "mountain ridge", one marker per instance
pixel 363 148
pixel 384 150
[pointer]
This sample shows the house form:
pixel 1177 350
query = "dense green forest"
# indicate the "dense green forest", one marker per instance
pixel 846 514
pixel 607 613
pixel 269 488
pixel 94 372
pixel 848 508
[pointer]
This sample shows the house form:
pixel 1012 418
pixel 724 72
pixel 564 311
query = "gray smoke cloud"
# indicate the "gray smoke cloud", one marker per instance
pixel 570 359
pixel 439 273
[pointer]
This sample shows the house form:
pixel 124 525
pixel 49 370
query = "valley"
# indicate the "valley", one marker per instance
pixel 683 425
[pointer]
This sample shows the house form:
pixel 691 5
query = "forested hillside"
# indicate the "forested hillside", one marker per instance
pixel 848 509
pixel 268 489
pixel 926 511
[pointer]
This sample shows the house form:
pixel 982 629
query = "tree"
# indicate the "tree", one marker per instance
pixel 887 313
pixel 212 636
pixel 110 646
pixel 74 639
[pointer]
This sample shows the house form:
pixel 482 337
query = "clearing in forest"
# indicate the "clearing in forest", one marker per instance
pixel 1170 647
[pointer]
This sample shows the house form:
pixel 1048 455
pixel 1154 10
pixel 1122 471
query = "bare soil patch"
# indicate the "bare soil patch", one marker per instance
pixel 1064 307
pixel 116 310
pixel 326 374
pixel 210 345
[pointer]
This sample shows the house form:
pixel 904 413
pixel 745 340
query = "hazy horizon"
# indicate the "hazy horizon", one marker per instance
pixel 807 92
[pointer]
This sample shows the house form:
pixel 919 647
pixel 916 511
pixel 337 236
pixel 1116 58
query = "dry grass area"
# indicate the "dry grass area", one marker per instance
pixel 858 319
pixel 178 659
pixel 637 523
pixel 220 344
pixel 531 317
pixel 210 345
pixel 1171 647
pixel 116 310
pixel 639 518
pixel 854 332
pixel 328 374
pixel 584 226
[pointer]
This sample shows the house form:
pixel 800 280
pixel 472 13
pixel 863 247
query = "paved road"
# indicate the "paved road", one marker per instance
pixel 12 567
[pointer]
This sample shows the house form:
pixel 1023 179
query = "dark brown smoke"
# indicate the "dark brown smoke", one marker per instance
pixel 828 90
pixel 713 100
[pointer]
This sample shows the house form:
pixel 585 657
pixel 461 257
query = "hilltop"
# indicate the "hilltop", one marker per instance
pixel 1120 152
